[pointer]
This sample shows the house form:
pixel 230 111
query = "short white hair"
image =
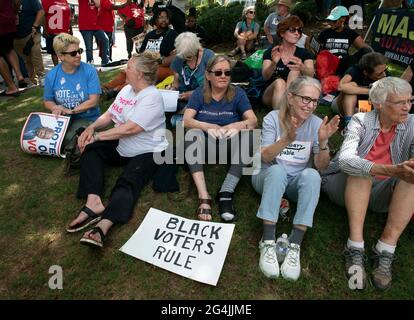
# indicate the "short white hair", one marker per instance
pixel 379 91
pixel 248 8
pixel 187 44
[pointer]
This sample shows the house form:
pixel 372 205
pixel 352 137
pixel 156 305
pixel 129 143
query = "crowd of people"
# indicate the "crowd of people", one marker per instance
pixel 374 169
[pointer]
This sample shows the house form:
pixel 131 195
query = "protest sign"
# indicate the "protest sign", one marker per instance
pixel 394 34
pixel 43 133
pixel 191 248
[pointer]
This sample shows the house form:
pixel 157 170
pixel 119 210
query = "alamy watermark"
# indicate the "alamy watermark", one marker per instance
pixel 56 280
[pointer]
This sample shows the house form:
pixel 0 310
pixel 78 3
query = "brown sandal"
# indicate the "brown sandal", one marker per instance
pixel 204 211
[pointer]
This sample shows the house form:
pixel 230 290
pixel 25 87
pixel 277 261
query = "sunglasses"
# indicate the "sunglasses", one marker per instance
pixel 293 30
pixel 74 53
pixel 251 12
pixel 219 73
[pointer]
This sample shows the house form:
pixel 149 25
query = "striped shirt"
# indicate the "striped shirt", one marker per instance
pixel 361 134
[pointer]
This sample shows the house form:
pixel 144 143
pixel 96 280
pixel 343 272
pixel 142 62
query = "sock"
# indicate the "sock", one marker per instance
pixel 382 246
pixel 355 244
pixel 347 119
pixel 269 232
pixel 296 236
pixel 229 184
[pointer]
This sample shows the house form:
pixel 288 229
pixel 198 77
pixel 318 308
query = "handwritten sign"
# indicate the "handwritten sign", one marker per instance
pixel 191 248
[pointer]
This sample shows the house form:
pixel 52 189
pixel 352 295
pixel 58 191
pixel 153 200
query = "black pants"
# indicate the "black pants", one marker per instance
pixel 129 34
pixel 177 19
pixel 137 172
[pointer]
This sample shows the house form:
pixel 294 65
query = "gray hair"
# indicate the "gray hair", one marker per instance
pixel 379 91
pixel 187 44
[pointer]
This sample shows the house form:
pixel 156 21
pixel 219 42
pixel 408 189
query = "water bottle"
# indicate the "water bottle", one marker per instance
pixel 282 245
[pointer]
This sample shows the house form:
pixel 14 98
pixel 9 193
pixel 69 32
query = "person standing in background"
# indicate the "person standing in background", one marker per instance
pixel 177 9
pixel 57 20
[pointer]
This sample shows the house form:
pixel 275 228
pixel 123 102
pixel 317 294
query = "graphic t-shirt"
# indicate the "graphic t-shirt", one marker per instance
pixel 190 79
pixel 57 15
pixel 282 70
pixel 88 15
pixel 219 112
pixel 296 156
pixel 338 43
pixel 70 90
pixel 162 43
pixel 133 12
pixel 146 109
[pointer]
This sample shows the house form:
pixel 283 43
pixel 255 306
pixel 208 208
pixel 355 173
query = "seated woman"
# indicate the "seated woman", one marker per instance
pixel 246 32
pixel 292 138
pixel 138 113
pixel 189 66
pixel 192 26
pixel 72 87
pixel 375 170
pixel 160 40
pixel 220 111
pixel 285 62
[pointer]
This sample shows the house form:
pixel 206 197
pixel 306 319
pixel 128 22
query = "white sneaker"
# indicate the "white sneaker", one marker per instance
pixel 268 260
pixel 290 268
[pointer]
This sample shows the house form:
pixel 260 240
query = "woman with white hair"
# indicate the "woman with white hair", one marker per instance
pixel 292 140
pixel 246 32
pixel 375 170
pixel 189 66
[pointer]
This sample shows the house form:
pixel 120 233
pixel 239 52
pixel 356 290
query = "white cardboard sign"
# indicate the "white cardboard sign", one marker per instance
pixel 191 248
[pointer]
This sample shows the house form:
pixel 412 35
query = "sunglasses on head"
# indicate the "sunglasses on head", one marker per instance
pixel 219 73
pixel 293 30
pixel 74 53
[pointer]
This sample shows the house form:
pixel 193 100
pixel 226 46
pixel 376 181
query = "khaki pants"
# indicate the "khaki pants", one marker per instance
pixel 34 61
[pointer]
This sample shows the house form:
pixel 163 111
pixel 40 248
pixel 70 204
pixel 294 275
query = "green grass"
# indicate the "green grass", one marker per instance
pixel 37 201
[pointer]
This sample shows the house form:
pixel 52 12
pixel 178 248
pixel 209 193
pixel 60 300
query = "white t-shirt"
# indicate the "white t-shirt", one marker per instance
pixel 145 109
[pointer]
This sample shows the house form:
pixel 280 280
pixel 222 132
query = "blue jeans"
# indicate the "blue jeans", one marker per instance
pixel 102 39
pixel 304 189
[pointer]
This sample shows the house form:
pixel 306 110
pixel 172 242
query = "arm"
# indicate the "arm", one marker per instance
pixel 56 109
pixel 249 122
pixel 308 68
pixel 87 135
pixel 191 123
pixel 268 69
pixel 129 128
pixel 408 74
pixel 39 18
pixel 88 104
pixel 359 43
pixel 346 85
pixel 166 61
pixel 326 130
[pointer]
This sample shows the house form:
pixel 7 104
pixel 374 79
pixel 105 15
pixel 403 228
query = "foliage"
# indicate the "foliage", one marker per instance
pixel 305 10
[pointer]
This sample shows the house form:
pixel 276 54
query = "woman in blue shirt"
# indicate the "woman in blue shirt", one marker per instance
pixel 72 87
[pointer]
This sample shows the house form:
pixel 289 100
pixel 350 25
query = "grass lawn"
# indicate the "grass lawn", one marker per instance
pixel 37 202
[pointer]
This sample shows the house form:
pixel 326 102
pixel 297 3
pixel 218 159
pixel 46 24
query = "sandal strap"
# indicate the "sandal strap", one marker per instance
pixel 89 212
pixel 97 229
pixel 203 211
pixel 205 201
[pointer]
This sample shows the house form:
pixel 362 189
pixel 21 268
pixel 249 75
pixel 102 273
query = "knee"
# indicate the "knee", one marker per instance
pixel 279 84
pixel 310 177
pixel 275 173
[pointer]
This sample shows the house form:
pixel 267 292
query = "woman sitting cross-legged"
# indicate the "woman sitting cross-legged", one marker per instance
pixel 285 62
pixel 138 114
pixel 291 137
pixel 219 111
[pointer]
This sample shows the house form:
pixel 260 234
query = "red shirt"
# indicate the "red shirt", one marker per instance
pixel 106 16
pixel 7 17
pixel 57 15
pixel 133 11
pixel 88 15
pixel 380 152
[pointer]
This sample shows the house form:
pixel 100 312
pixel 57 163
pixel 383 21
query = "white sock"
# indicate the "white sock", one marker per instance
pixel 355 244
pixel 382 246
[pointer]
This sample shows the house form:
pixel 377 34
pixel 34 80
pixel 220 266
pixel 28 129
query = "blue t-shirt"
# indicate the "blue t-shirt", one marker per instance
pixel 70 90
pixel 190 79
pixel 219 112
pixel 27 16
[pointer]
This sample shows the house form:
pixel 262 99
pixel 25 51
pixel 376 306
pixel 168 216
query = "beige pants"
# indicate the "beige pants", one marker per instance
pixel 34 61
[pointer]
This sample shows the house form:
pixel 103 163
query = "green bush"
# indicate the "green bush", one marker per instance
pixel 305 10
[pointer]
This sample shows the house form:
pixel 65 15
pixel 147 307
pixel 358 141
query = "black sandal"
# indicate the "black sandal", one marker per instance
pixel 226 209
pixel 204 211
pixel 87 240
pixel 91 219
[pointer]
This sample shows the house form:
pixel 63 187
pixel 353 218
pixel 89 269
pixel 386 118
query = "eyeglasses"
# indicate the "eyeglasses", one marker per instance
pixel 307 100
pixel 219 73
pixel 251 12
pixel 402 103
pixel 74 53
pixel 293 30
